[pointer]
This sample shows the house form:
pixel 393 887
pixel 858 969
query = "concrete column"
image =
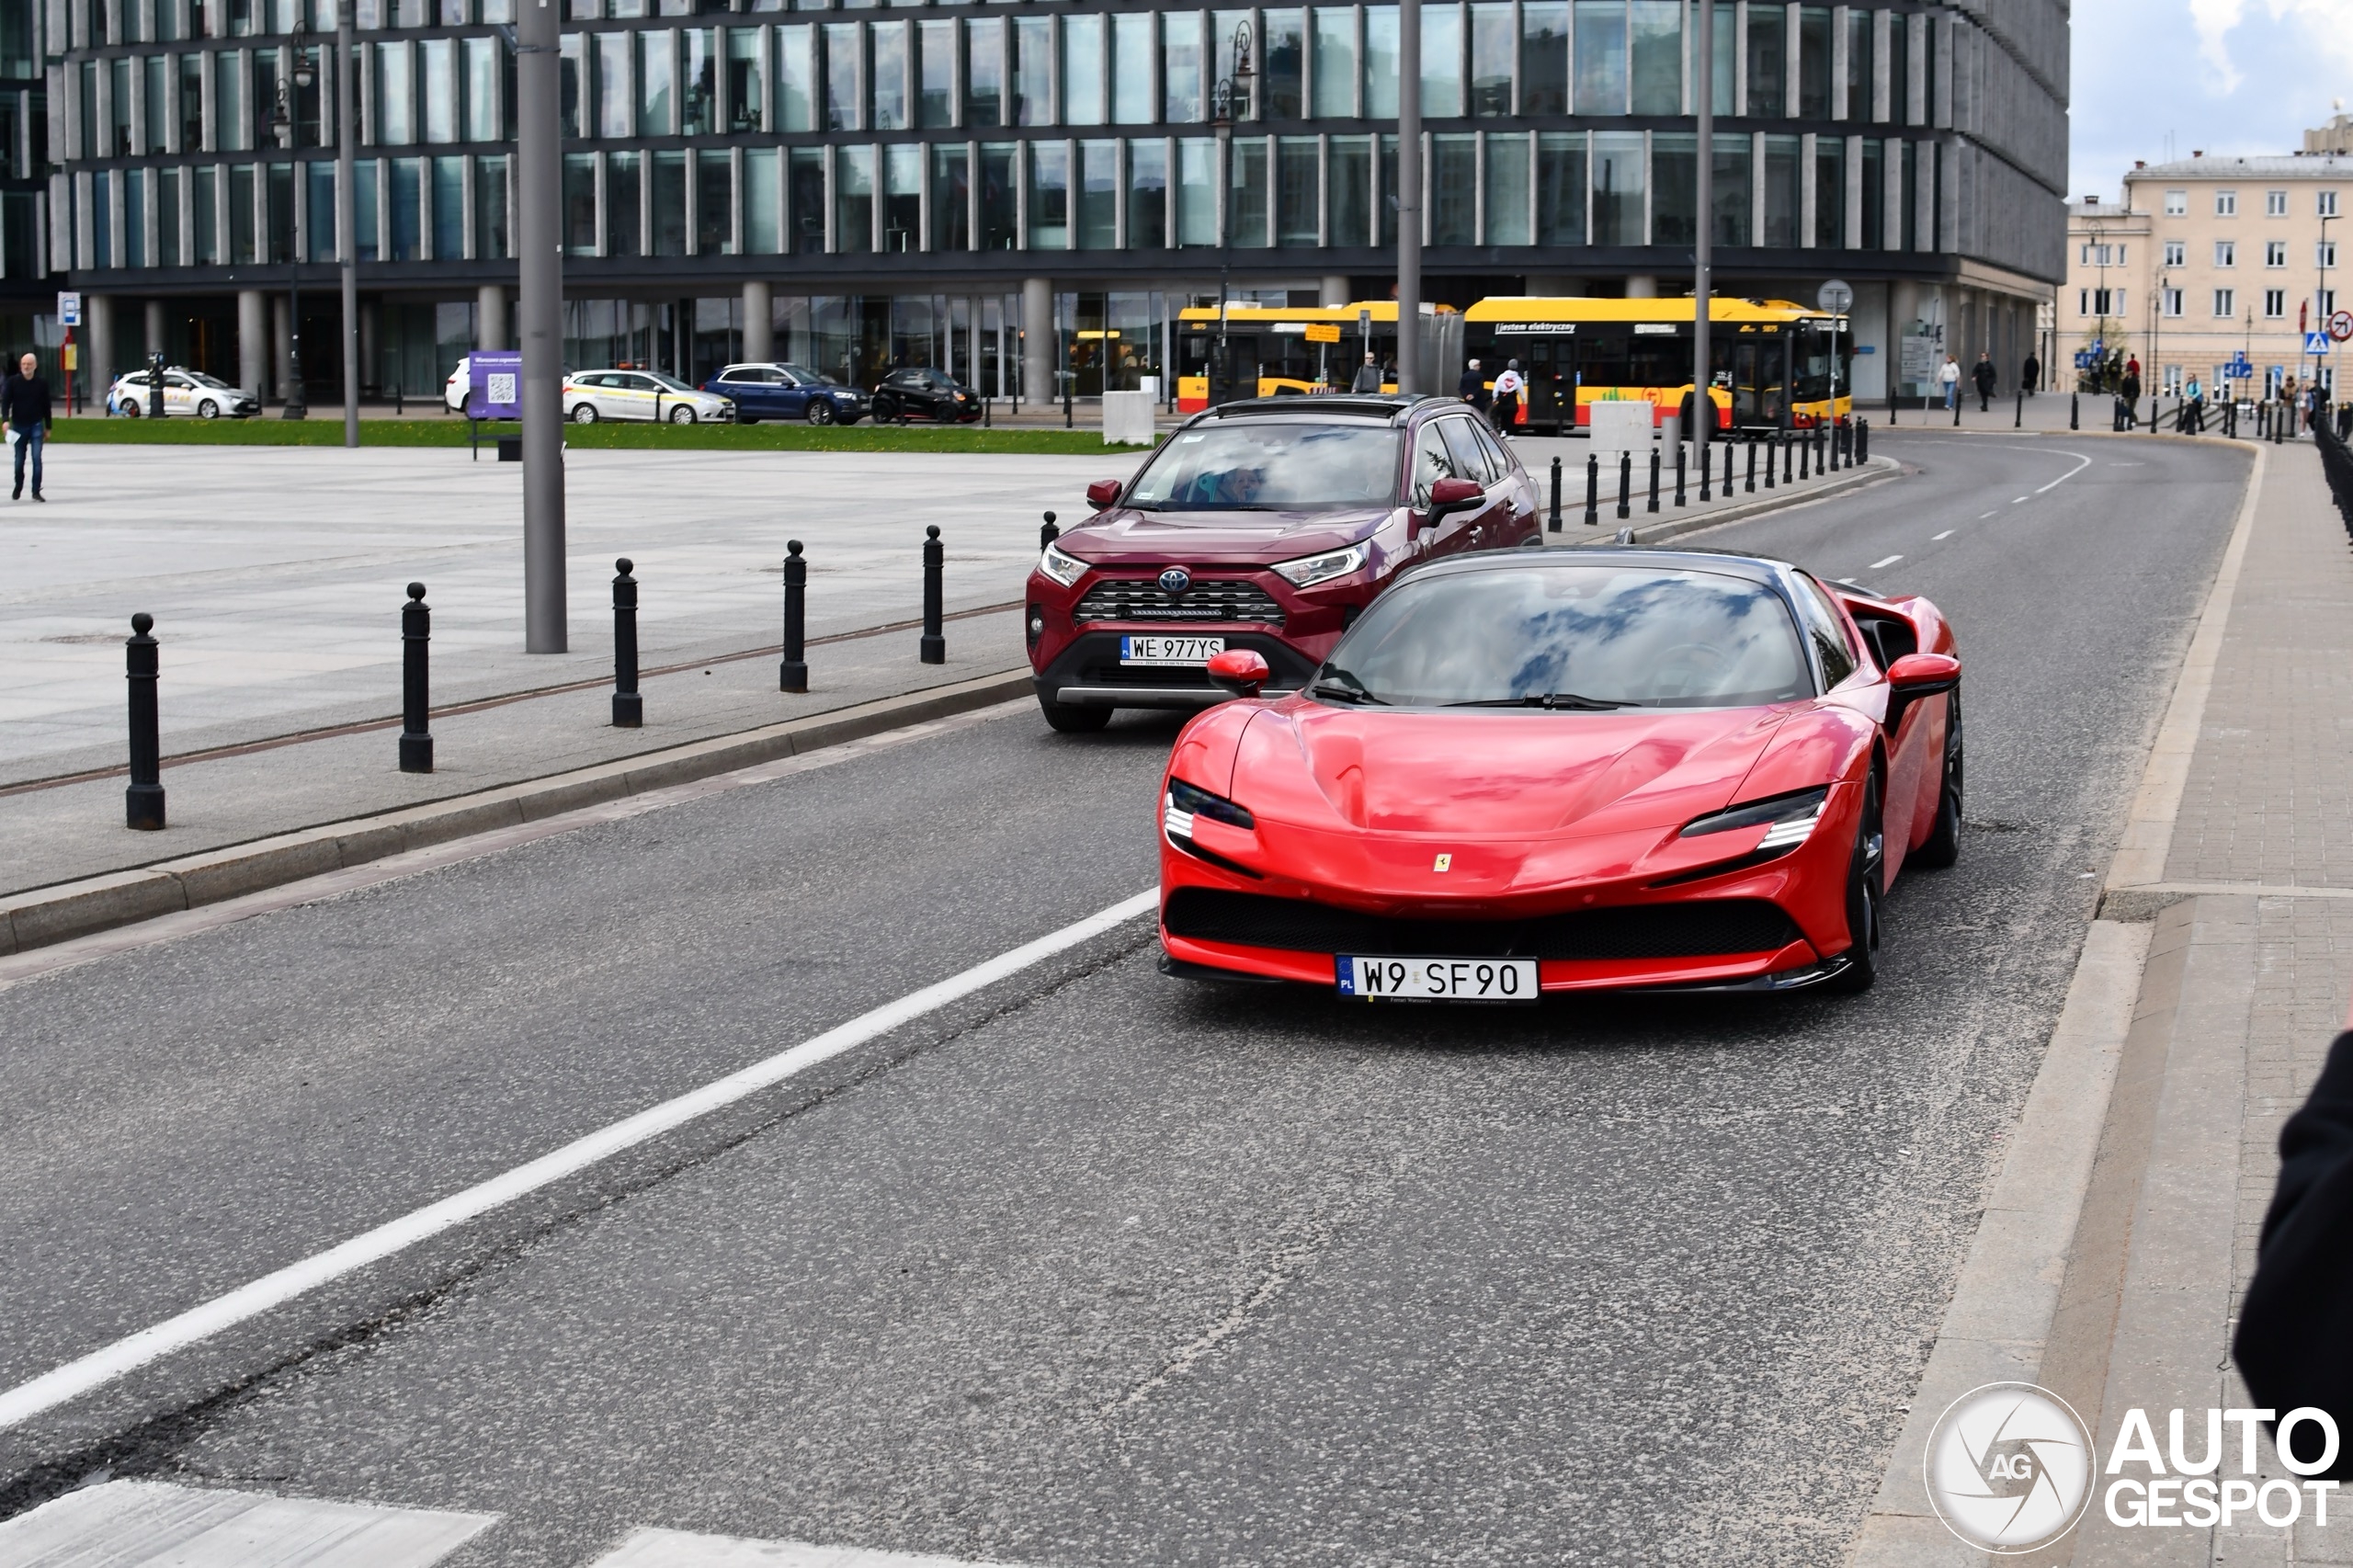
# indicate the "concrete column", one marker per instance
pixel 1336 289
pixel 491 329
pixel 281 344
pixel 1037 354
pixel 253 342
pixel 97 319
pixel 1641 286
pixel 155 343
pixel 759 335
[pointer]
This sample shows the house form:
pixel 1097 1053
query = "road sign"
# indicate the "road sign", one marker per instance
pixel 1836 297
pixel 2340 325
pixel 69 309
pixel 2315 343
pixel 1323 331
pixel 2238 370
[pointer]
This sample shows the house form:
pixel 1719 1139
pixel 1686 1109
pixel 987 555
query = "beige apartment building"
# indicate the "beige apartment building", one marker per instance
pixel 2207 260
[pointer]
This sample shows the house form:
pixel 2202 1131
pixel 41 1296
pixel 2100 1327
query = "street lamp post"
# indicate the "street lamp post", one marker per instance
pixel 1231 96
pixel 2321 303
pixel 345 213
pixel 539 184
pixel 1409 196
pixel 1703 399
pixel 2156 346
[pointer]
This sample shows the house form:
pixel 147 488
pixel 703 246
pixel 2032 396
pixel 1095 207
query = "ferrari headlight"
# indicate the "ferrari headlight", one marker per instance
pixel 1309 570
pixel 1787 819
pixel 1185 802
pixel 1063 569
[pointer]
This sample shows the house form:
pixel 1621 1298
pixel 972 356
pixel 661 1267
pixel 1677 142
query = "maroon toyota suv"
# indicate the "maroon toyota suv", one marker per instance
pixel 1265 525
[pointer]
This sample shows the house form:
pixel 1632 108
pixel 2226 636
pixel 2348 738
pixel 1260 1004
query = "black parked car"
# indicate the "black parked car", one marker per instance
pixel 926 394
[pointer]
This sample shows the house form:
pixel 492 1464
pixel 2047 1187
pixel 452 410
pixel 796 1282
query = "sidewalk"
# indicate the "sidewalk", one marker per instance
pixel 2121 1231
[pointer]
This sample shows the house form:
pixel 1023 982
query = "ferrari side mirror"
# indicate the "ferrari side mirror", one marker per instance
pixel 1924 675
pixel 1103 494
pixel 1241 671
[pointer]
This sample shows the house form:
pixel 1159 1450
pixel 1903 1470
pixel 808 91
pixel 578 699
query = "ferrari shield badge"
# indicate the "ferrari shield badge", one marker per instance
pixel 1443 863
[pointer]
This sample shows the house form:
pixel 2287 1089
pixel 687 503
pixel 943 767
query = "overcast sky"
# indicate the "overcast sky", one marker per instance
pixel 2226 75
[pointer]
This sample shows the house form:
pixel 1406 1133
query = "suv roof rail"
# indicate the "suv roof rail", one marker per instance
pixel 1361 405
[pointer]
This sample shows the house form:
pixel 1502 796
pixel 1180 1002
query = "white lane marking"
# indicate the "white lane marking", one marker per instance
pixel 677 1548
pixel 1947 534
pixel 100 1366
pixel 129 1524
pixel 1877 564
pixel 2019 500
pixel 1983 516
pixel 2082 462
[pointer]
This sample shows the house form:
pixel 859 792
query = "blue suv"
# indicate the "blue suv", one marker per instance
pixel 775 389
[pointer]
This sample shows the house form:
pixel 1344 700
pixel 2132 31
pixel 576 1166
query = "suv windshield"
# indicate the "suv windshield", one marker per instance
pixel 1270 465
pixel 1571 638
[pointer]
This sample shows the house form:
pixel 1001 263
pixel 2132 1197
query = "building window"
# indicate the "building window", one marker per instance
pixel 1336 63
pixel 1379 62
pixel 796 78
pixel 2226 304
pixel 804 201
pixel 2227 252
pixel 2275 253
pixel 2275 304
pixel 903 197
pixel 1674 187
pixel 1086 93
pixel 448 209
pixel 2177 204
pixel 1783 192
pixel 1033 71
pixel 1601 57
pixel 490 209
pixel 1442 64
pixel 1508 215
pixel 1830 193
pixel 2226 204
pixel 1560 188
pixel 2274 204
pixel 206 183
pixel 2176 253
pixel 656 58
pixel 1454 190
pixel 1617 188
pixel 1134 46
pixel 698 101
pixel 1283 48
pixel 1049 195
pixel 2325 203
pixel 1492 44
pixel 1735 179
pixel 715 200
pixel 854 200
pixel 1348 192
pixel 1814 64
pixel 763 200
pixel 1098 195
pixel 407 202
pixel 1544 57
pixel 2325 302
pixel 616 103
pixel 843 99
pixel 951 200
pixel 2325 254
pixel 1148 195
pixel 1299 192
pixel 1247 196
pixel 747 88
pixel 1767 61
pixel 1196 191
pixel 1181 67
pixel 580 204
pixel 395 98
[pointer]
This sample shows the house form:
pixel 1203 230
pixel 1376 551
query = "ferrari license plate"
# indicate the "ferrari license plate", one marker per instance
pixel 1436 980
pixel 1169 650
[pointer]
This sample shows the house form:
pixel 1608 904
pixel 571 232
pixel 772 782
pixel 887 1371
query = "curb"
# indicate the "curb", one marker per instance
pixel 1874 471
pixel 41 916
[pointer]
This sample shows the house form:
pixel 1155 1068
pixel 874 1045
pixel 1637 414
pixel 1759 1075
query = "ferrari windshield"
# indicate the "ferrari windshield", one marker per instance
pixel 1568 638
pixel 1270 465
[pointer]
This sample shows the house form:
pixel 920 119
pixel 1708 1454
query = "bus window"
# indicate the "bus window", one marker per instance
pixel 1603 357
pixel 1659 360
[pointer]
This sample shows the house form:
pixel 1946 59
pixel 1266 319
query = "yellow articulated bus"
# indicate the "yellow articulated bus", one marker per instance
pixel 1770 361
pixel 1275 351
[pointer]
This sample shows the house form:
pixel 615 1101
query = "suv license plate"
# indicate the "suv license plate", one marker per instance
pixel 1436 980
pixel 1169 650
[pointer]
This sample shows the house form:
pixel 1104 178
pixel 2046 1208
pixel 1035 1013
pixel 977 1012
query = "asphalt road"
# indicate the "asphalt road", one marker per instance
pixel 1096 1267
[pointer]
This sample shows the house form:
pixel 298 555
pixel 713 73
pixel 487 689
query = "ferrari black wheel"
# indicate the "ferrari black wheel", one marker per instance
pixel 1073 718
pixel 1864 891
pixel 1943 846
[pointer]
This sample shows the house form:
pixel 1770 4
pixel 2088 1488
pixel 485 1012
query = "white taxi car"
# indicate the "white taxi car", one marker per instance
pixel 591 395
pixel 185 392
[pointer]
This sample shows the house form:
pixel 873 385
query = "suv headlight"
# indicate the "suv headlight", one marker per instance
pixel 1309 570
pixel 1063 569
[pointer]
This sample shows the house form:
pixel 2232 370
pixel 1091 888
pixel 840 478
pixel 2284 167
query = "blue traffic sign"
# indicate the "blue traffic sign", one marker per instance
pixel 2316 343
pixel 2238 370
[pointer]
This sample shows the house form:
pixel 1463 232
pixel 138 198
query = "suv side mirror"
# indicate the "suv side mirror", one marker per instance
pixel 1103 494
pixel 1451 495
pixel 1241 671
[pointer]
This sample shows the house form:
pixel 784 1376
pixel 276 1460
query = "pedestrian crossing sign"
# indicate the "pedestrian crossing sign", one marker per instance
pixel 2316 343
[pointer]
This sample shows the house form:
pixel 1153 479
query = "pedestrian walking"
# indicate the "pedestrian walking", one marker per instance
pixel 2031 374
pixel 1508 386
pixel 1472 388
pixel 2128 397
pixel 2193 407
pixel 1983 375
pixel 24 407
pixel 1949 377
pixel 1367 377
pixel 2288 402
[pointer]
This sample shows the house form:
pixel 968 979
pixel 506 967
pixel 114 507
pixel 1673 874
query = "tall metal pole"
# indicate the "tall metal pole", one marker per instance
pixel 539 182
pixel 1703 255
pixel 347 232
pixel 1409 196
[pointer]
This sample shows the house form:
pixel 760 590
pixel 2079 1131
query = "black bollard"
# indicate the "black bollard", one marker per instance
pixel 792 675
pixel 933 650
pixel 1682 461
pixel 1067 379
pixel 1805 455
pixel 142 803
pixel 416 637
pixel 1862 440
pixel 988 413
pixel 1048 532
pixel 1726 488
pixel 1956 409
pixel 1555 523
pixel 1592 490
pixel 1654 502
pixel 1625 485
pixel 1773 457
pixel 2075 410
pixel 2018 421
pixel 1748 477
pixel 628 704
pixel 1788 457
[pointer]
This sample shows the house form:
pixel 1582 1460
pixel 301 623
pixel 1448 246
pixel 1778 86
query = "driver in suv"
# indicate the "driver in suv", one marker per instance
pixel 1269 525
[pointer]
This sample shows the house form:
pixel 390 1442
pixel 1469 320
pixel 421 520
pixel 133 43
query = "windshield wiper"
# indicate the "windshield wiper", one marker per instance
pixel 1328 683
pixel 1544 699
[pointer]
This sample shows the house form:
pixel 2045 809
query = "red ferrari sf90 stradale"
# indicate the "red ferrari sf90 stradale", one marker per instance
pixel 1561 770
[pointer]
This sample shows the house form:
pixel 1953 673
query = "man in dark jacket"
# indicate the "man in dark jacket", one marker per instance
pixel 1472 388
pixel 2294 1345
pixel 2031 375
pixel 1367 379
pixel 24 405
pixel 1983 375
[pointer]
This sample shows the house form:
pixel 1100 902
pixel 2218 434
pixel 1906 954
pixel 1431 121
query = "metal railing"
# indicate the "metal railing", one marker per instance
pixel 2337 463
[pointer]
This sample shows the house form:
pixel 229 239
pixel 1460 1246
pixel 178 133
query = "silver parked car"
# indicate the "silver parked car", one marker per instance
pixel 185 392
pixel 591 395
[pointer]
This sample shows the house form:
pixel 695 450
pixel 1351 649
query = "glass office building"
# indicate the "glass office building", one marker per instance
pixel 1016 192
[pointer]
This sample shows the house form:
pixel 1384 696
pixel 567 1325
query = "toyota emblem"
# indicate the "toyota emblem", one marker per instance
pixel 1175 580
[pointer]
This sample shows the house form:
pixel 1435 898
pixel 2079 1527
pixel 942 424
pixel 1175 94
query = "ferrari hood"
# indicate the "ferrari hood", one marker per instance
pixel 1130 538
pixel 1496 774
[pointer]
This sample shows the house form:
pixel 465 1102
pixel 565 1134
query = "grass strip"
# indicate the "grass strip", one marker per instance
pixel 766 436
